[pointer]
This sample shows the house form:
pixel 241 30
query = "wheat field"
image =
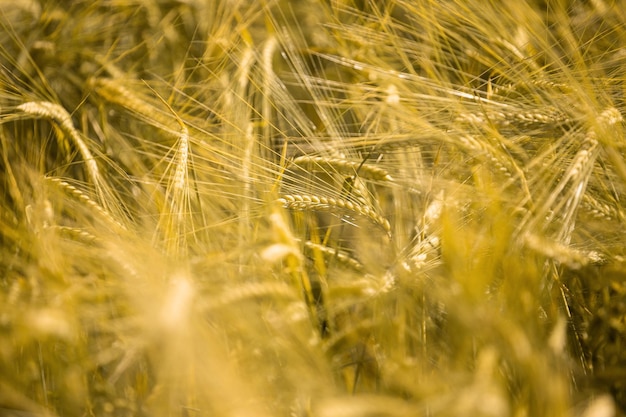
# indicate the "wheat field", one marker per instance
pixel 315 208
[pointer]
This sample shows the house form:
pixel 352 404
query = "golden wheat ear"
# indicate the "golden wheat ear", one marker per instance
pixel 62 119
pixel 105 195
pixel 342 166
pixel 315 203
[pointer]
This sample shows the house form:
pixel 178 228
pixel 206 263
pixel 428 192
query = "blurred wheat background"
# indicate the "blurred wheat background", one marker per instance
pixel 333 208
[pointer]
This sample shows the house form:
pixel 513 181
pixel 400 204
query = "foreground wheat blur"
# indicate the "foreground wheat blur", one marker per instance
pixel 316 208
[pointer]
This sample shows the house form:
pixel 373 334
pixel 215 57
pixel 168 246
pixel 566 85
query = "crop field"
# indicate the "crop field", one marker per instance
pixel 314 208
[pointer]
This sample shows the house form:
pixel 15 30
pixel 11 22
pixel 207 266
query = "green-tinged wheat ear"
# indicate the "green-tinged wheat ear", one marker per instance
pixel 63 120
pixel 330 204
pixel 342 166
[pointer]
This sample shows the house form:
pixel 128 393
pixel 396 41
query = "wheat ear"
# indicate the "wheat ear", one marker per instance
pixel 315 203
pixel 568 193
pixel 521 119
pixel 114 93
pixel 600 210
pixel 63 120
pixel 563 254
pixel 76 234
pixel 506 166
pixel 532 84
pixel 341 256
pixel 85 199
pixel 342 166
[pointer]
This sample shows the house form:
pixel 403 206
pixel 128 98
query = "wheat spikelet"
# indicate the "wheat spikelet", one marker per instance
pixel 583 160
pixel 315 203
pixel 607 119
